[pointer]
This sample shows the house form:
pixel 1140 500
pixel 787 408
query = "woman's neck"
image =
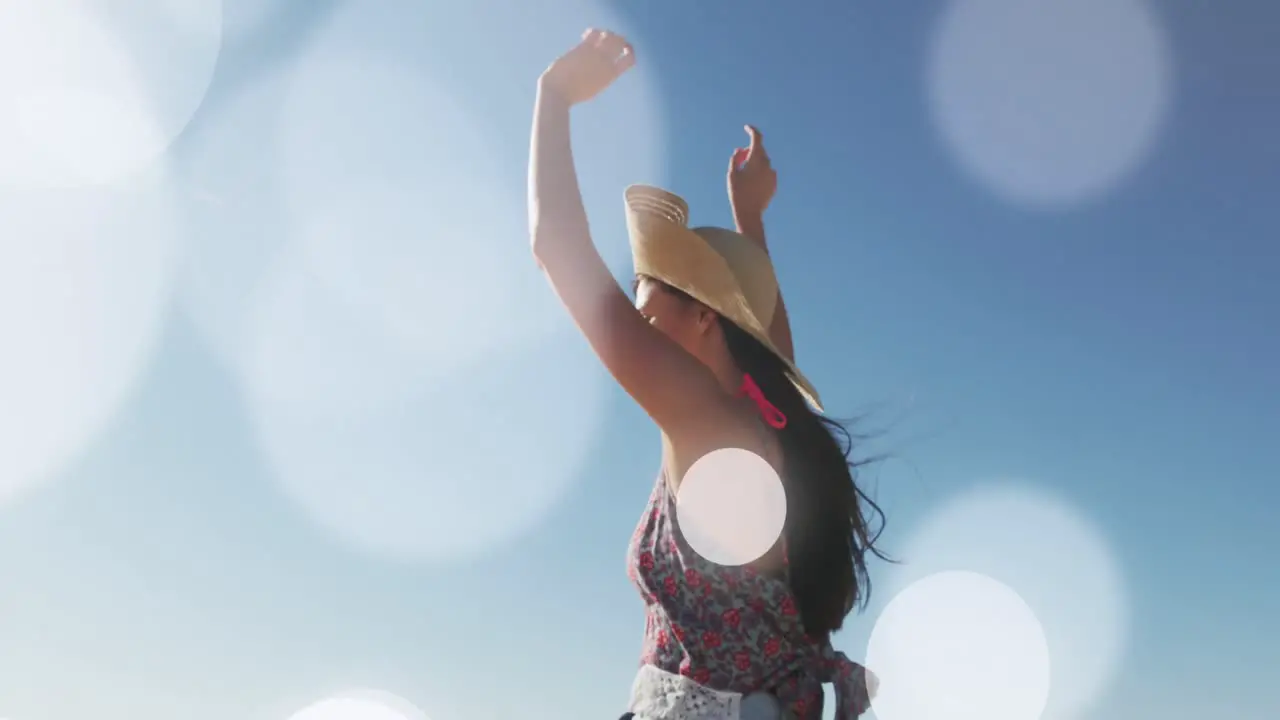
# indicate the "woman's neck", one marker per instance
pixel 726 371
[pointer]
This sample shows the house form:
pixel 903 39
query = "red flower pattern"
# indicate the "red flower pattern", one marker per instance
pixel 746 631
pixel 788 606
pixel 731 618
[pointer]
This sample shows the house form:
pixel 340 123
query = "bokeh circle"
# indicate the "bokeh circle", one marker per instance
pixel 1058 561
pixel 731 506
pixel 1050 103
pixel 85 282
pixel 360 705
pixel 363 269
pixel 93 91
pixel 960 646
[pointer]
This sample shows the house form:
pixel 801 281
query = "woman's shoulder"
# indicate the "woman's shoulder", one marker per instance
pixel 743 432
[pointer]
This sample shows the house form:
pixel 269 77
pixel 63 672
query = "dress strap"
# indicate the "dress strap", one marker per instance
pixel 771 414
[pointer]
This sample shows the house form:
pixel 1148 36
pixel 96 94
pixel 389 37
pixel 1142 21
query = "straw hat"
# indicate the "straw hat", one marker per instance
pixel 724 270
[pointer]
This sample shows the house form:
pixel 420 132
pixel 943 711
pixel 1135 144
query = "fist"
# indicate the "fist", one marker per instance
pixel 590 67
pixel 752 181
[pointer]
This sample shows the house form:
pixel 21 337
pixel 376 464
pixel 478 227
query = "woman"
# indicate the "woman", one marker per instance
pixel 706 351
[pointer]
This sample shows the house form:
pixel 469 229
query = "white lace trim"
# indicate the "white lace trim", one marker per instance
pixel 660 695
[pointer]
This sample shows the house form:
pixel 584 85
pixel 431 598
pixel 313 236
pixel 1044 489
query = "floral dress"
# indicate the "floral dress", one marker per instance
pixel 726 632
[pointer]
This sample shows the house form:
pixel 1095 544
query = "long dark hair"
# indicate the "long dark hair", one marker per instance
pixel 828 527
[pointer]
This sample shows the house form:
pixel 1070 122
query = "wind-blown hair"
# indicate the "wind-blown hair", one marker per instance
pixel 828 526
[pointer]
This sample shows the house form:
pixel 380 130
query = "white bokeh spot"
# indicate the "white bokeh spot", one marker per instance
pixel 1050 103
pixel 236 233
pixel 1057 561
pixel 84 284
pixel 360 705
pixel 731 506
pixel 360 262
pixel 959 646
pixel 92 91
pixel 401 211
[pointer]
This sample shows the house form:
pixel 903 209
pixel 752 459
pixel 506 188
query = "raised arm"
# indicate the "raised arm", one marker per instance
pixel 752 183
pixel 674 388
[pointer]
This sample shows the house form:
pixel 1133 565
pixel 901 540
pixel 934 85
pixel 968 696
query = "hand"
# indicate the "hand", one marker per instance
pixel 752 181
pixel 590 67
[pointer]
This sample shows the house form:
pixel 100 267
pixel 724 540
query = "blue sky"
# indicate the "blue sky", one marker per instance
pixel 323 425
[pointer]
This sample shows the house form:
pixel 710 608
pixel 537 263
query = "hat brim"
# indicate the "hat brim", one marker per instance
pixel 665 248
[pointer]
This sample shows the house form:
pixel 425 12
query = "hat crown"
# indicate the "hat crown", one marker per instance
pixel 747 262
pixel 725 270
pixel 750 266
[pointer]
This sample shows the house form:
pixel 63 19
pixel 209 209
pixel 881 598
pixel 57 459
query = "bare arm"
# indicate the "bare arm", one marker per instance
pixel 780 328
pixel 674 388
pixel 752 183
